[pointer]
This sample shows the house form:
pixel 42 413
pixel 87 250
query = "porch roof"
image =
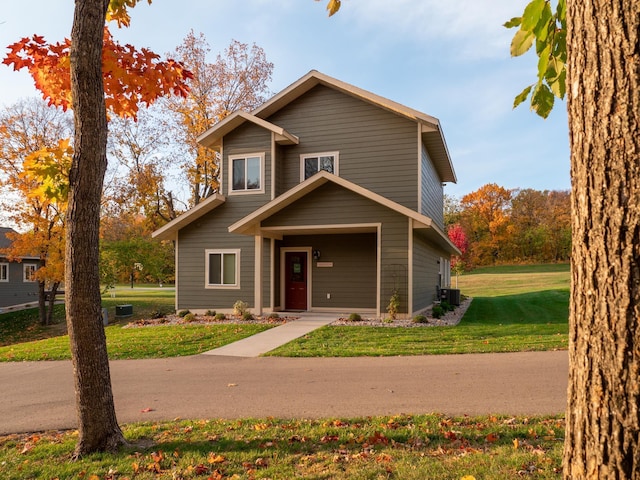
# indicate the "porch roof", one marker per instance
pixel 170 230
pixel 251 224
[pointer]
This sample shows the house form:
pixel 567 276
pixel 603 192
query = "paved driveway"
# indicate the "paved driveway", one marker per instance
pixel 38 396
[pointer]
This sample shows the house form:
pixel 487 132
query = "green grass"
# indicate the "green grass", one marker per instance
pixel 406 447
pixel 523 308
pixel 24 325
pixel 137 343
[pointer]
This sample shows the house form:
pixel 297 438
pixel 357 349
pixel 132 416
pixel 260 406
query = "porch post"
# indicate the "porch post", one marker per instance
pixel 259 267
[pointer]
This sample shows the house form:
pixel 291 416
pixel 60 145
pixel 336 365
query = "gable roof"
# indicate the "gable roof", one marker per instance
pixel 4 241
pixel 170 230
pixel 249 224
pixel 430 128
pixel 213 137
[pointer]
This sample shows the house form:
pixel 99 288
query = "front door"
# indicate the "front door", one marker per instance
pixel 295 281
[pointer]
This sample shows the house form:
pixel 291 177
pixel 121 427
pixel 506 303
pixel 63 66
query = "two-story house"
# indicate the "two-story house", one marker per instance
pixel 331 199
pixel 17 282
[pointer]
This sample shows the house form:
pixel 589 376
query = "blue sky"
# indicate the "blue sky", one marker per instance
pixel 447 59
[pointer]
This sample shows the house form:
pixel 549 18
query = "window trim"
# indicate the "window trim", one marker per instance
pixel 304 156
pixel 221 251
pixel 6 269
pixel 25 266
pixel 245 156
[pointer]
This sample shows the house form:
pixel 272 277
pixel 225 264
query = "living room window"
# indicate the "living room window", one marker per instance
pixel 222 268
pixel 246 173
pixel 29 272
pixel 310 164
pixel 4 272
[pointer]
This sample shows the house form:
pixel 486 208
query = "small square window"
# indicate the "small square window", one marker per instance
pixel 246 173
pixel 314 163
pixel 222 268
pixel 29 272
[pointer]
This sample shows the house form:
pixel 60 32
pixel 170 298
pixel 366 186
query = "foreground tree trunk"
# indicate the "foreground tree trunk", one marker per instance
pixel 98 427
pixel 603 417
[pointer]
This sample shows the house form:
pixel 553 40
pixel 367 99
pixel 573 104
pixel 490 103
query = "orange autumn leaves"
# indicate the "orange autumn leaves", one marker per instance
pixel 132 77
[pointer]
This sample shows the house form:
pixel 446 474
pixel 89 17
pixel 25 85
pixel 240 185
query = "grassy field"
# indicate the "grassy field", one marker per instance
pixel 519 308
pixel 403 447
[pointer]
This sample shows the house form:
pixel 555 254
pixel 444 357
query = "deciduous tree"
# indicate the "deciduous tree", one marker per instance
pixel 237 80
pixel 74 74
pixel 603 102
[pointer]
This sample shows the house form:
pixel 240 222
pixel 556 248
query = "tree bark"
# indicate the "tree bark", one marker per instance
pixel 98 427
pixel 603 418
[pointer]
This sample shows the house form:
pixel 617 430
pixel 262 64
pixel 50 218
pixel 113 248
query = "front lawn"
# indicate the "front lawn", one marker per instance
pixel 514 309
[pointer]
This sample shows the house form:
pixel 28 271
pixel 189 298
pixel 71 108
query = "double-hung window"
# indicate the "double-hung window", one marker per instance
pixel 310 164
pixel 29 272
pixel 222 268
pixel 4 272
pixel 246 173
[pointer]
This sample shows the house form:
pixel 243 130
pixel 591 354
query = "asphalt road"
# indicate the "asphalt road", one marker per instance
pixel 38 396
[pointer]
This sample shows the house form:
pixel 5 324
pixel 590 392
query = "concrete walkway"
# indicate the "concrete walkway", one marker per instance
pixel 271 339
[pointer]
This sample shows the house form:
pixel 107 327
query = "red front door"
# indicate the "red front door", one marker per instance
pixel 295 280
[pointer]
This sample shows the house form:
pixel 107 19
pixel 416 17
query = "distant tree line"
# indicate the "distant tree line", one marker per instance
pixel 510 226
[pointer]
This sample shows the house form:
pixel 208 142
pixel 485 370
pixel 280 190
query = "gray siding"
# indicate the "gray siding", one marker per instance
pixel 377 149
pixel 331 204
pixel 351 281
pixel 432 194
pixel 16 291
pixel 425 272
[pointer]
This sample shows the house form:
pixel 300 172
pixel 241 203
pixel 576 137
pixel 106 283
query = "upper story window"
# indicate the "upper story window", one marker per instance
pixel 246 173
pixel 29 272
pixel 310 164
pixel 4 272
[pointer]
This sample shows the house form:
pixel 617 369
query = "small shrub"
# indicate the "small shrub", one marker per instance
pixel 446 306
pixel 355 317
pixel 437 311
pixel 388 320
pixel 273 316
pixel 210 313
pixel 420 319
pixel 394 305
pixel 189 317
pixel 247 316
pixel 157 314
pixel 182 313
pixel 240 308
pixel 219 316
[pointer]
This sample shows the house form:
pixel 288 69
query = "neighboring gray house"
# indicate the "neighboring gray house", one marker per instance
pixel 331 199
pixel 17 283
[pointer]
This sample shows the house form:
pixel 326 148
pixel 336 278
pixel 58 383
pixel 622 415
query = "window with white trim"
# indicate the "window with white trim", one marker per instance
pixel 246 173
pixel 29 272
pixel 222 268
pixel 4 272
pixel 310 164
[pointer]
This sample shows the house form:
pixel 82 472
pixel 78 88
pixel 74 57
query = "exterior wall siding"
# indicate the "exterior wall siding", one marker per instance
pixel 16 291
pixel 377 149
pixel 432 193
pixel 350 283
pixel 327 206
pixel 426 271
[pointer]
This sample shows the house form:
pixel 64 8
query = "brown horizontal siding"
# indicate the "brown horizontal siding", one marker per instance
pixel 425 273
pixel 432 191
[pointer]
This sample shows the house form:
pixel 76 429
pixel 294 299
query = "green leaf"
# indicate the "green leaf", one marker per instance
pixel 542 100
pixel 532 14
pixel 558 84
pixel 514 22
pixel 521 42
pixel 522 96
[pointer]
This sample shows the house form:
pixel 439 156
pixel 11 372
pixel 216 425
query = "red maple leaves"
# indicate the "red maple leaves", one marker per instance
pixel 131 76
